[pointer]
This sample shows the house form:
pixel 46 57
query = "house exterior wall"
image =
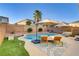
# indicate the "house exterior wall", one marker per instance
pixel 24 22
pixel 4 19
pixel 33 26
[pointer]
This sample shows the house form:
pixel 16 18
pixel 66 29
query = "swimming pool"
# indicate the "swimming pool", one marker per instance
pixel 31 37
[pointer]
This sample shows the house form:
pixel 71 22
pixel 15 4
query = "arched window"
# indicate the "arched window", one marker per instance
pixel 29 30
pixel 40 30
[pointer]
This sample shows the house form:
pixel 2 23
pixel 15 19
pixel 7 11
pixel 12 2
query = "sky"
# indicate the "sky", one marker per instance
pixel 55 11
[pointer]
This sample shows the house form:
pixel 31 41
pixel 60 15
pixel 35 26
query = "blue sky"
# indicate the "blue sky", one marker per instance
pixel 55 11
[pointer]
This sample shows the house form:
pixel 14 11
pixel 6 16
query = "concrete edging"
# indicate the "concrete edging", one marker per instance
pixel 32 49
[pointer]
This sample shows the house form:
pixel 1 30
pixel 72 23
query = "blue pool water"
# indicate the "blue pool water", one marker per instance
pixel 31 37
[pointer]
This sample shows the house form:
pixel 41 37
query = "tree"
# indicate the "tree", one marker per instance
pixel 28 22
pixel 37 18
pixel 37 15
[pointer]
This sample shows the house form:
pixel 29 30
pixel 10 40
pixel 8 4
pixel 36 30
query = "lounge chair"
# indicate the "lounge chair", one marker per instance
pixel 76 38
pixel 53 39
pixel 44 38
pixel 57 40
pixel 67 34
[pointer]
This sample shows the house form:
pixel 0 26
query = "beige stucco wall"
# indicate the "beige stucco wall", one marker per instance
pixel 17 29
pixel 21 29
pixel 33 26
pixel 2 32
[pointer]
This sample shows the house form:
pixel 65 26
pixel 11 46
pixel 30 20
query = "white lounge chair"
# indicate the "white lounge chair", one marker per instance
pixel 76 38
pixel 67 33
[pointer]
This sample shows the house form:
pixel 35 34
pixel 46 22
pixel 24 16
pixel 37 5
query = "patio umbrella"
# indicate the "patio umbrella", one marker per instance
pixel 47 22
pixel 61 25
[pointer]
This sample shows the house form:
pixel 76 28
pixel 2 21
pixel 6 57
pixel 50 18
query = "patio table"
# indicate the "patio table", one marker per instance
pixel 51 38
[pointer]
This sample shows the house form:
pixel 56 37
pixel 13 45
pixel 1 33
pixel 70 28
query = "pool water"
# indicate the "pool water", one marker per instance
pixel 31 37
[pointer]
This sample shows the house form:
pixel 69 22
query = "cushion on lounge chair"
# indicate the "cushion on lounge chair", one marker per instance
pixel 77 39
pixel 57 38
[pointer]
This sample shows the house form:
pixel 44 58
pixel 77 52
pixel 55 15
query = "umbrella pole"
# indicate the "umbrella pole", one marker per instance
pixel 36 31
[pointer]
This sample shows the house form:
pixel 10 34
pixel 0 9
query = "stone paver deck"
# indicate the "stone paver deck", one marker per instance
pixel 32 49
pixel 70 48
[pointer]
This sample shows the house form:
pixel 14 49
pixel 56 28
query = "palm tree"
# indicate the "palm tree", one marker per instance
pixel 37 15
pixel 37 18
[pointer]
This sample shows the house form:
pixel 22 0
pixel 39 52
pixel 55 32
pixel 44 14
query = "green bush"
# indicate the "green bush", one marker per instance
pixel 5 38
pixel 28 22
pixel 15 37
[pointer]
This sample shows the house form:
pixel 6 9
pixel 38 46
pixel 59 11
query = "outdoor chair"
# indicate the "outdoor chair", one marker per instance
pixel 76 38
pixel 57 39
pixel 44 38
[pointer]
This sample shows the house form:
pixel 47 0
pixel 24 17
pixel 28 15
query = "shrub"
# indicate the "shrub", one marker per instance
pixel 5 38
pixel 29 30
pixel 15 37
pixel 28 22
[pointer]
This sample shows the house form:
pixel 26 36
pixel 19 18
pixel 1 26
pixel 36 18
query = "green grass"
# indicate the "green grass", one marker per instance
pixel 13 48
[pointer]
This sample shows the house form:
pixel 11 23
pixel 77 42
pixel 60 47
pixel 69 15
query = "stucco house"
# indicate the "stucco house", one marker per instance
pixel 24 22
pixel 4 19
pixel 30 26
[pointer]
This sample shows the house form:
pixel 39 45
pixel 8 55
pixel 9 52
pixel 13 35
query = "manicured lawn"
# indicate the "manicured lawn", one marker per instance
pixel 13 48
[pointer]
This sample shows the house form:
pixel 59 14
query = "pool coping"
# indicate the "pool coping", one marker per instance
pixel 32 49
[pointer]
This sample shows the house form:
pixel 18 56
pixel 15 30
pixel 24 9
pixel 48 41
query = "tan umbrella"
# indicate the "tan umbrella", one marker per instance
pixel 47 22
pixel 61 25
